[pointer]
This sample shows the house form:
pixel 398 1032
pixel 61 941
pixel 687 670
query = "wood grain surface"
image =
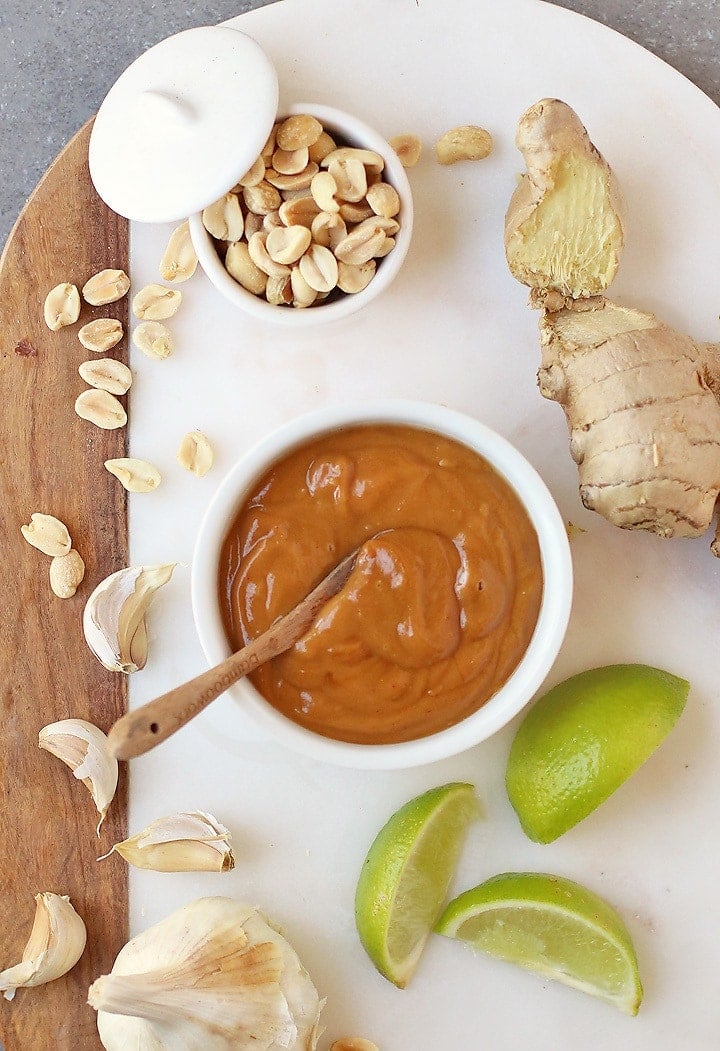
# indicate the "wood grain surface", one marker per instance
pixel 52 461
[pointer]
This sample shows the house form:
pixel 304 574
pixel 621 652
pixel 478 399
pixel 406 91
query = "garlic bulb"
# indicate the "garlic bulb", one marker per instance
pixel 114 617
pixel 83 747
pixel 193 842
pixel 56 943
pixel 213 976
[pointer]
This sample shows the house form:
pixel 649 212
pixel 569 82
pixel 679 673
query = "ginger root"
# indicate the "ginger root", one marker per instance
pixel 643 406
pixel 642 401
pixel 563 228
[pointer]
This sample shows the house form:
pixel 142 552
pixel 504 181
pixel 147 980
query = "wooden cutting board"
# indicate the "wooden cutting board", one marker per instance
pixel 52 461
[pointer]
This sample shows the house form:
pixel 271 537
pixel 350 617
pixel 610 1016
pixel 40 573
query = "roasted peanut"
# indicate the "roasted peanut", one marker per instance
pixel 66 574
pixel 408 149
pixel 137 476
pixel 101 409
pixel 298 132
pixel 62 306
pixel 153 339
pixel 106 287
pixel 156 302
pixel 465 143
pixel 179 261
pixel 48 534
pixel 196 453
pixel 239 265
pixel 106 374
pixel 224 219
pixel 101 335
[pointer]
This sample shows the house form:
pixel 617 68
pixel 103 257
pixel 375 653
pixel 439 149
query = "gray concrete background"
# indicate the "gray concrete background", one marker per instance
pixel 59 57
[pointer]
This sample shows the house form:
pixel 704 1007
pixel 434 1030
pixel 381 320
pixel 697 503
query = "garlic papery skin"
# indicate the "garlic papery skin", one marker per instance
pixel 83 747
pixel 55 945
pixel 213 976
pixel 114 616
pixel 188 842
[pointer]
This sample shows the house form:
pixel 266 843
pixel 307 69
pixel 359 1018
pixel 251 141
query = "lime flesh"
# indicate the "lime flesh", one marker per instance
pixel 553 927
pixel 404 879
pixel 583 739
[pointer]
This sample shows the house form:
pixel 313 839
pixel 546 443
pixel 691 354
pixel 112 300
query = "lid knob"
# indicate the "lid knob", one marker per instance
pixel 164 106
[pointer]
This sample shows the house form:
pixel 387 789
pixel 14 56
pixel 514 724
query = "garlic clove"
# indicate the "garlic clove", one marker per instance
pixel 187 842
pixel 83 747
pixel 55 945
pixel 114 616
pixel 212 976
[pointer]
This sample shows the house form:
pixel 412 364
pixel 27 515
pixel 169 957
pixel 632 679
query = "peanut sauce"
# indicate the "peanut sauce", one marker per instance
pixel 439 608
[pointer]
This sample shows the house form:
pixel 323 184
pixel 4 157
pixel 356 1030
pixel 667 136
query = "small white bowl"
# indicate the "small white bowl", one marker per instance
pixel 554 610
pixel 355 133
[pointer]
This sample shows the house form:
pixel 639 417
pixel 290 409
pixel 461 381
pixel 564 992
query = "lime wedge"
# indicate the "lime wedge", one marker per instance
pixel 583 739
pixel 553 927
pixel 405 877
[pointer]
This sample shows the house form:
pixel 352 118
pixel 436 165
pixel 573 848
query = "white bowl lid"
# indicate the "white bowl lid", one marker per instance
pixel 182 124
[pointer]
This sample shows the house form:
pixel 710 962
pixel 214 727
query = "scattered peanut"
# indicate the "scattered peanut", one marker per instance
pixel 408 149
pixel 153 339
pixel 195 453
pixel 137 476
pixel 101 409
pixel 101 335
pixel 106 374
pixel 156 302
pixel 66 573
pixel 48 534
pixel 304 227
pixel 62 306
pixel 106 287
pixel 466 143
pixel 179 261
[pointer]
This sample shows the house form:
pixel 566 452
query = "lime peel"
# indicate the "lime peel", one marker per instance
pixel 553 927
pixel 404 879
pixel 585 738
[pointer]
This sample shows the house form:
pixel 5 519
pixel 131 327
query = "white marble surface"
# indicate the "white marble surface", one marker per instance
pixel 454 329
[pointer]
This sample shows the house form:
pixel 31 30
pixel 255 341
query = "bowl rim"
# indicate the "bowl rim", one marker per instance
pixel 358 131
pixel 555 555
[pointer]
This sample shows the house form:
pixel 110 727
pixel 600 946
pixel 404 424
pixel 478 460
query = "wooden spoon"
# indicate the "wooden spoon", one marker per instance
pixel 139 731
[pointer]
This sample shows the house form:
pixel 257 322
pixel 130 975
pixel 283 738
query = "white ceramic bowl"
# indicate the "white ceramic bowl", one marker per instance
pixel 356 133
pixel 554 609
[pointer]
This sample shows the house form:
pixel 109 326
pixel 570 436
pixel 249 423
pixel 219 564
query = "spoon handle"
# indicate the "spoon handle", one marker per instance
pixel 143 729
